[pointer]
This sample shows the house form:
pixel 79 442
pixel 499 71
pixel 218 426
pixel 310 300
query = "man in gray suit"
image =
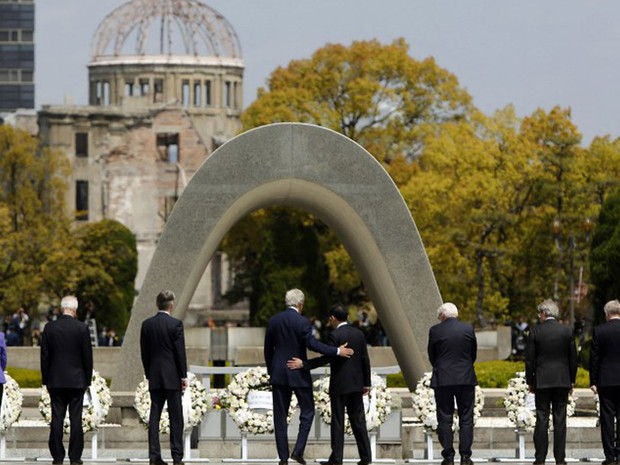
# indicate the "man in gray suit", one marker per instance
pixel 452 350
pixel 605 379
pixel 66 370
pixel 550 371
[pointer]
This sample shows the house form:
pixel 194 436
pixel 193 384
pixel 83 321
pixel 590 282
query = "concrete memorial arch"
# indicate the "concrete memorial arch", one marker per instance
pixel 320 171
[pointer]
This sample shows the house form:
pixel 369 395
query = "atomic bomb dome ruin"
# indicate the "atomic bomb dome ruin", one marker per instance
pixel 165 87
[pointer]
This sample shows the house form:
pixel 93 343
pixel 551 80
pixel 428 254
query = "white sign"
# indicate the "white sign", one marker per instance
pixel 530 401
pixel 260 400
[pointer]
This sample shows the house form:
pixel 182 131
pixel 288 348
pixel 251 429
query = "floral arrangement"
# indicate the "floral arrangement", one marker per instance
pixel 195 401
pixel 98 400
pixel 597 406
pixel 522 417
pixel 378 408
pixel 425 409
pixel 235 399
pixel 12 399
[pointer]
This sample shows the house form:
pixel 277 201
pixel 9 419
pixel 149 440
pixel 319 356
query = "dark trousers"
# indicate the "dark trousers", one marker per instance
pixel 444 398
pixel 61 399
pixel 281 402
pixel 609 398
pixel 175 412
pixel 547 399
pixel 354 404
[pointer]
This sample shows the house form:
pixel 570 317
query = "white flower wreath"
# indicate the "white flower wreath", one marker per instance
pixel 12 399
pixel 522 417
pixel 195 405
pixel 97 402
pixel 378 409
pixel 515 402
pixel 425 409
pixel 235 399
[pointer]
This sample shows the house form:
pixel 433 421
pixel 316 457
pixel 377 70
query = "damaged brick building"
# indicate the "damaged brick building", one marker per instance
pixel 165 90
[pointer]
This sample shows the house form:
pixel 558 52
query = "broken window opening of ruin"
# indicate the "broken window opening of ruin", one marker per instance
pixel 168 147
pixel 81 200
pixel 81 144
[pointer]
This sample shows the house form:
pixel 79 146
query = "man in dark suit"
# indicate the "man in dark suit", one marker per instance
pixel 66 370
pixel 605 379
pixel 550 371
pixel 288 336
pixel 349 381
pixel 162 345
pixel 452 350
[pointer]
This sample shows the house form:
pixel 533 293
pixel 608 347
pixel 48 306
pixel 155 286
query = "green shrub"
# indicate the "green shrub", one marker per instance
pixel 25 377
pixel 495 374
pixel 583 378
pixel 397 380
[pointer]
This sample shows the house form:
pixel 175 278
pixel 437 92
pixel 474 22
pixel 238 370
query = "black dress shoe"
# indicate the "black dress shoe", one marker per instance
pixel 180 462
pixel 57 462
pixel 283 462
pixel 361 462
pixel 467 461
pixel 157 462
pixel 609 462
pixel 298 458
pixel 447 462
pixel 538 463
pixel 76 462
pixel 329 462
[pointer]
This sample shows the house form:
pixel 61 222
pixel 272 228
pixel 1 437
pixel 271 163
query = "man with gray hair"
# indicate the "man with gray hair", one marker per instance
pixel 452 350
pixel 550 371
pixel 605 379
pixel 288 336
pixel 66 370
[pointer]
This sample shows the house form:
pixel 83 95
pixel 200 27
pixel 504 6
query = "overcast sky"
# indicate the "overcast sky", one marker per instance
pixel 530 53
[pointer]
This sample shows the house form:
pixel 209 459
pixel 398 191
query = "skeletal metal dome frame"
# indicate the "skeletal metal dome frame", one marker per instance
pixel 165 27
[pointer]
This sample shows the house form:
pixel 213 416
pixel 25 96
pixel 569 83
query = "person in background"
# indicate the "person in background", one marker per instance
pixel 550 371
pixel 3 363
pixel 605 379
pixel 452 351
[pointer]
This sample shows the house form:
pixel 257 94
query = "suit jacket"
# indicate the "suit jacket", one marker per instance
pixel 452 350
pixel 605 354
pixel 162 347
pixel 288 335
pixel 550 356
pixel 66 354
pixel 347 374
pixel 3 358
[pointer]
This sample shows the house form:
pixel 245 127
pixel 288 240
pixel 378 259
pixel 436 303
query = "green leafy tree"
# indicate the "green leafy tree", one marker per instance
pixel 283 253
pixel 375 94
pixel 605 254
pixel 108 264
pixel 33 223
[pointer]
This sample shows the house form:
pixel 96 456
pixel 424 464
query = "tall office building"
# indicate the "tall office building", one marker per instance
pixel 16 54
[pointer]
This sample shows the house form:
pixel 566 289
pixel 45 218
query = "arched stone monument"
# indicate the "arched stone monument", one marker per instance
pixel 317 170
